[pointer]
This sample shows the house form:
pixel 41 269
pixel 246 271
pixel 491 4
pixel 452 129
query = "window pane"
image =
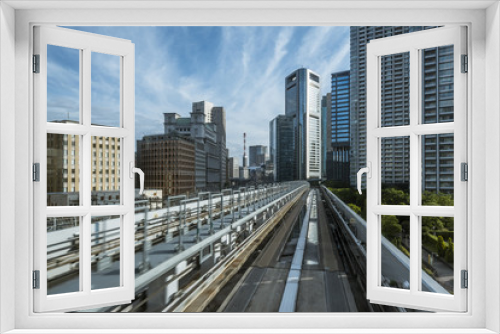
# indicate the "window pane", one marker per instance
pixel 437 84
pixel 63 255
pixel 105 252
pixel 395 90
pixel 438 250
pixel 63 84
pixel 395 245
pixel 437 170
pixel 105 160
pixel 395 170
pixel 63 169
pixel 105 89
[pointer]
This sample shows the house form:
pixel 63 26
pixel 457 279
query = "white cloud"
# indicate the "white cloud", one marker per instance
pixel 246 76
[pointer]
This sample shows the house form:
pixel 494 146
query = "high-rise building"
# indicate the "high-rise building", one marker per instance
pixel 208 121
pixel 234 168
pixel 282 147
pixel 168 163
pixel 340 139
pixel 437 107
pixel 437 101
pixel 326 135
pixel 258 155
pixel 207 126
pixel 303 105
pixel 218 117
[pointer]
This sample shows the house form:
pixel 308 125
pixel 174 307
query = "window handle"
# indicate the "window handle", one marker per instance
pixel 134 170
pixel 368 171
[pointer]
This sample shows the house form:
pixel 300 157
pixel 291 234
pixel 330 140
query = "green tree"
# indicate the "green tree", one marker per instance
pixel 430 198
pixel 450 250
pixel 393 196
pixel 355 208
pixel 351 196
pixel 425 229
pixel 391 228
pixel 448 223
pixel 432 223
pixel 440 246
pixel 405 224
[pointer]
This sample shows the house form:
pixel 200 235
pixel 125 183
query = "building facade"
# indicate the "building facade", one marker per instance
pixel 234 168
pixel 282 147
pixel 244 173
pixel 340 124
pixel 207 127
pixel 437 102
pixel 258 155
pixel 303 105
pixel 63 165
pixel 326 134
pixel 219 119
pixel 168 163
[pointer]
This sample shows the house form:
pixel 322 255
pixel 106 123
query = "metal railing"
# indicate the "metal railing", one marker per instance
pixel 162 225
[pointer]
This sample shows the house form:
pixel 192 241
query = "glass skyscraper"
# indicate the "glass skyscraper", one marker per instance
pixel 258 155
pixel 282 148
pixel 303 105
pixel 437 106
pixel 340 138
pixel 326 135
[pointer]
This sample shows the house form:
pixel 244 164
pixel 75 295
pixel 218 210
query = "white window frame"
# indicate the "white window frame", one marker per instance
pixel 86 44
pixel 414 44
pixel 483 19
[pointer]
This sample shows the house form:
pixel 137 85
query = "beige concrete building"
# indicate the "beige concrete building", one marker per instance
pixel 63 164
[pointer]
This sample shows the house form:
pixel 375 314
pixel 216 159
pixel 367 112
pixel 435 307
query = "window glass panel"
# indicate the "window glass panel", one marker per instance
pixel 437 84
pixel 395 90
pixel 437 169
pixel 105 90
pixel 105 168
pixel 63 84
pixel 438 250
pixel 63 255
pixel 395 245
pixel 63 170
pixel 106 252
pixel 395 170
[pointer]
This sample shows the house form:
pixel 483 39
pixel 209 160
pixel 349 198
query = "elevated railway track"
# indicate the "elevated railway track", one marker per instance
pixel 290 251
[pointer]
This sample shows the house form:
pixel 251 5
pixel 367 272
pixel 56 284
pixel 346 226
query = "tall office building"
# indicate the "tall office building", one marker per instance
pixel 340 138
pixel 234 168
pixel 282 148
pixel 168 162
pixel 258 155
pixel 303 105
pixel 218 117
pixel 207 126
pixel 437 101
pixel 326 135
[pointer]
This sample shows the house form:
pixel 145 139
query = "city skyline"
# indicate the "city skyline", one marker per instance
pixel 240 68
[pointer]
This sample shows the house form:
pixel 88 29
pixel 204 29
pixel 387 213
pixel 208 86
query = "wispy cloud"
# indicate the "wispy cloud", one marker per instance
pixel 240 68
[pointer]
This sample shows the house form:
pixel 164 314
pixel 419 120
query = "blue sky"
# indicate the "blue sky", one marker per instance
pixel 240 68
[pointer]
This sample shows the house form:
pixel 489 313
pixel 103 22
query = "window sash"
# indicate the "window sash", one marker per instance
pixel 86 43
pixel 414 43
